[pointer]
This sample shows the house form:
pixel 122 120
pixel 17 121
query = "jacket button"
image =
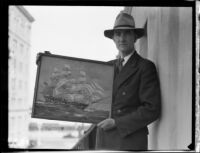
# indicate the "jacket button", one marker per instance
pixel 123 93
pixel 118 111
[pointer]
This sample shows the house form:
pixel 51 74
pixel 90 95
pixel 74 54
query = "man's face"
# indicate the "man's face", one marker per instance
pixel 124 40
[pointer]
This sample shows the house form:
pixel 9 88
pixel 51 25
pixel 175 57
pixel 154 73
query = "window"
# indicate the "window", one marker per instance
pixel 22 23
pixel 11 128
pixel 13 100
pixel 14 64
pixel 21 48
pixel 10 53
pixel 19 101
pixel 9 42
pixel 33 126
pixel 29 27
pixel 20 84
pixel 12 103
pixel 14 44
pixel 19 128
pixel 19 20
pixel 20 66
pixel 13 83
pixel 27 70
pixel 25 86
pixel 11 46
pixel 16 20
pixel 27 52
pixel 11 12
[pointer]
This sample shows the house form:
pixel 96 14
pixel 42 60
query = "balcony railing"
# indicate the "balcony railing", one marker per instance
pixel 88 141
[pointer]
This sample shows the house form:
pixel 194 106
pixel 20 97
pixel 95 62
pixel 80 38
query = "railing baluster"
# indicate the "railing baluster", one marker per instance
pixel 88 140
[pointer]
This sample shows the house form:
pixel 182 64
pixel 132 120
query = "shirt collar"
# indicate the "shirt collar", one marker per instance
pixel 126 58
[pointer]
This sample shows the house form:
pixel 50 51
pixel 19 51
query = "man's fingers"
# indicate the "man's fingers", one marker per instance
pixel 103 126
pixel 101 123
pixel 106 124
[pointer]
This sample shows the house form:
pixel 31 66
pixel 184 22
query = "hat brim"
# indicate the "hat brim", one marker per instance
pixel 138 31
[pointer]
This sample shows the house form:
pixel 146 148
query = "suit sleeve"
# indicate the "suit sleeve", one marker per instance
pixel 150 99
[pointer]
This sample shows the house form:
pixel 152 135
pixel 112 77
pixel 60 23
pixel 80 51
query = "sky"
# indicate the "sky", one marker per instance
pixel 75 31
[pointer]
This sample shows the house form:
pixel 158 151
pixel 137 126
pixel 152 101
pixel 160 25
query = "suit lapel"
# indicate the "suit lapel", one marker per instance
pixel 129 69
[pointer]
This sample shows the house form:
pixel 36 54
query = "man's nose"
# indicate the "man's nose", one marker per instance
pixel 122 37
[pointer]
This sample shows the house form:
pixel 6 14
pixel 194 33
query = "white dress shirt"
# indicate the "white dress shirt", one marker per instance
pixel 126 58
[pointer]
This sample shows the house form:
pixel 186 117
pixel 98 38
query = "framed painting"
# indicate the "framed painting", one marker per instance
pixel 72 89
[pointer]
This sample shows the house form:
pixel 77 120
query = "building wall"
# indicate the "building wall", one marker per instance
pixel 168 43
pixel 19 32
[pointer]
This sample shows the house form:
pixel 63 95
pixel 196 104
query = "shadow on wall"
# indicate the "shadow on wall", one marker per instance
pixel 168 43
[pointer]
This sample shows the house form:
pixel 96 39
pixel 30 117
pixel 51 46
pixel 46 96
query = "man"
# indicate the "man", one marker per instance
pixel 136 92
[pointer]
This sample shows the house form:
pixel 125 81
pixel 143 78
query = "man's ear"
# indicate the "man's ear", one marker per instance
pixel 113 39
pixel 135 39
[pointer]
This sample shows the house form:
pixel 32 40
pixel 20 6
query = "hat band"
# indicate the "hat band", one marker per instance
pixel 128 26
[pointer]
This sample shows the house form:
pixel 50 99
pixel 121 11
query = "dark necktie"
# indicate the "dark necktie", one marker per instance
pixel 121 60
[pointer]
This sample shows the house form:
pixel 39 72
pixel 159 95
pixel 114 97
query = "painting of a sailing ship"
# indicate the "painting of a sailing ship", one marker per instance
pixel 73 89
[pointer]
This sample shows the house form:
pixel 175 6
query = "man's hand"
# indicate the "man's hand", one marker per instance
pixel 107 124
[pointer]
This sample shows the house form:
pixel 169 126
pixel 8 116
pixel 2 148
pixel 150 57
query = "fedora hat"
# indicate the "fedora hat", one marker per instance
pixel 124 21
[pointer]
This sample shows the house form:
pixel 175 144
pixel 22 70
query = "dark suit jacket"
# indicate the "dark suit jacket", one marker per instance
pixel 136 103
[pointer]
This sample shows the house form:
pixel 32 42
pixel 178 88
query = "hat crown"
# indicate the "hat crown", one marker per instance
pixel 124 20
